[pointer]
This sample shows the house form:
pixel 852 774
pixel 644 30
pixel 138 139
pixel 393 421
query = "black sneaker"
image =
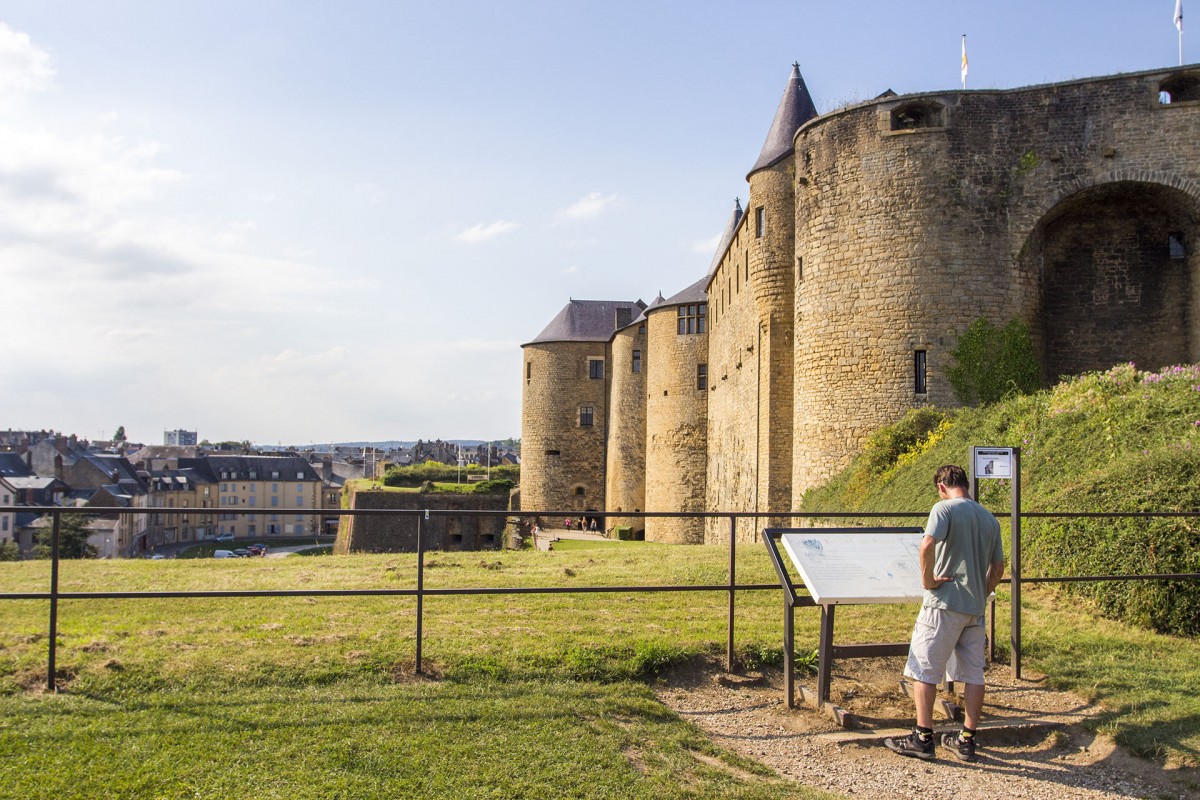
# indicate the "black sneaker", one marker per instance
pixel 911 745
pixel 964 749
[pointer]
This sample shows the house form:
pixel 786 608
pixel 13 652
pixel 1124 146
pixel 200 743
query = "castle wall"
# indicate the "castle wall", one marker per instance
pixel 562 460
pixel 676 428
pixel 625 470
pixel 735 376
pixel 379 533
pixel 907 236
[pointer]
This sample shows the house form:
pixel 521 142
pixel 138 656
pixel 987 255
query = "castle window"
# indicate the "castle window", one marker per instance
pixel 702 376
pixel 692 318
pixel 747 267
pixel 637 360
pixel 1179 89
pixel 919 385
pixel 579 491
pixel 1175 246
pixel 595 368
pixel 551 452
pixel 760 222
pixel 586 413
pixel 912 116
pixel 528 371
pixel 799 269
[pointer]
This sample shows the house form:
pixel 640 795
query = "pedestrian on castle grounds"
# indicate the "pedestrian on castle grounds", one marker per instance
pixel 592 525
pixel 567 523
pixel 962 560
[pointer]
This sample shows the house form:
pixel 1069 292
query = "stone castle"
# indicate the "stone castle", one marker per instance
pixel 873 236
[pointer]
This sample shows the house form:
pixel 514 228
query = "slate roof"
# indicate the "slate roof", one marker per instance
pixel 240 467
pixel 795 108
pixel 12 465
pixel 727 236
pixel 696 293
pixel 589 321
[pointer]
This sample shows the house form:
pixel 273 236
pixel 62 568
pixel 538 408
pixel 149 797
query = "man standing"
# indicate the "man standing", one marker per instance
pixel 962 559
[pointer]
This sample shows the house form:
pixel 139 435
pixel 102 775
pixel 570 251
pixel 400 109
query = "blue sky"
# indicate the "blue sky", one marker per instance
pixel 304 222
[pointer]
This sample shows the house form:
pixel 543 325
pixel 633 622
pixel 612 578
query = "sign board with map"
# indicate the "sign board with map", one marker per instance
pixel 844 568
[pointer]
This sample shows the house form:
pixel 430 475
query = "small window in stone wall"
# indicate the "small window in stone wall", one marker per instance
pixel 760 222
pixel 919 372
pixel 1175 246
pixel 702 376
pixel 691 318
pixel 528 371
pixel 595 368
pixel 799 269
pixel 912 116
pixel 552 452
pixel 637 360
pixel 579 491
pixel 586 414
pixel 1179 89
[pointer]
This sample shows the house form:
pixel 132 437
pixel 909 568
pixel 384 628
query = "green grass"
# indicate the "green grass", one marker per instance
pixel 315 697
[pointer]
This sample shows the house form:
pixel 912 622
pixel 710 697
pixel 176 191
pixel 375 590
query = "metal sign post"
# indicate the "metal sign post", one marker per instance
pixel 1005 463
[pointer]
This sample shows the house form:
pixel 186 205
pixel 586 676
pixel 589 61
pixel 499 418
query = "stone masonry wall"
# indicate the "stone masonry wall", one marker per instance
pixel 626 465
pixel 907 236
pixel 562 461
pixel 676 429
pixel 398 533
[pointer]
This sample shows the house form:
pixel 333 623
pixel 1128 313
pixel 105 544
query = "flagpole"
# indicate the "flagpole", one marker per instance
pixel 964 61
pixel 1178 19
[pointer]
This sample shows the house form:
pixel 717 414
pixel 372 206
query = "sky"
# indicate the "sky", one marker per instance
pixel 315 222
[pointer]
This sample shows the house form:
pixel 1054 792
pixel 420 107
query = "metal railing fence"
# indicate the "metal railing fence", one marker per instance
pixel 730 587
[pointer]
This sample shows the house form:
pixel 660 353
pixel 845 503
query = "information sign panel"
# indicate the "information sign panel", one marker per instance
pixel 844 568
pixel 993 462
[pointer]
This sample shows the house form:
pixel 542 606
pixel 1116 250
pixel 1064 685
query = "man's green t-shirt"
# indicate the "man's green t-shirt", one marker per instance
pixel 968 541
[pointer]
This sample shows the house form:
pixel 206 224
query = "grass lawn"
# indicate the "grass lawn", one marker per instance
pixel 530 695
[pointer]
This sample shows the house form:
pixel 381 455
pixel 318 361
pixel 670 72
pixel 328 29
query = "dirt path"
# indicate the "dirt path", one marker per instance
pixel 1032 744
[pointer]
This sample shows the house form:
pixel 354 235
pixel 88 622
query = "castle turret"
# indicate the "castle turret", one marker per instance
pixel 564 406
pixel 677 414
pixel 625 473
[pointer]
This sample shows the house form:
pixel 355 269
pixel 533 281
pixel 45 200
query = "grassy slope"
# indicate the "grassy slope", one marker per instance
pixel 1116 441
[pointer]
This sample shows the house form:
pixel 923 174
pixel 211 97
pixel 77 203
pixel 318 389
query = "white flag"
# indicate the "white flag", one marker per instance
pixel 1179 15
pixel 964 56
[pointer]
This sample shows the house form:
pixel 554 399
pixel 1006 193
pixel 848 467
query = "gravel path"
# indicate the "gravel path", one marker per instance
pixel 1031 745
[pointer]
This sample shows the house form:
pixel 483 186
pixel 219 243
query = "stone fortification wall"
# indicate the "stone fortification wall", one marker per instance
pixel 625 472
pixel 676 428
pixel 735 375
pixel 907 235
pixel 398 534
pixel 562 460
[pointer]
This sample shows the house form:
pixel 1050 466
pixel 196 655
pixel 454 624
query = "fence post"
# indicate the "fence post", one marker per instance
pixel 51 685
pixel 1015 568
pixel 732 594
pixel 420 592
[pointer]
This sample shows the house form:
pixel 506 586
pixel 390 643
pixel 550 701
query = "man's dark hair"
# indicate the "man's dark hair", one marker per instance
pixel 951 475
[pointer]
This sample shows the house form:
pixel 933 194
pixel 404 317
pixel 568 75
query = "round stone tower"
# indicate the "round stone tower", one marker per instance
pixel 677 414
pixel 625 471
pixel 564 405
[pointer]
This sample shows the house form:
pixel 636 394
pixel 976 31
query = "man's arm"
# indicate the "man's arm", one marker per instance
pixel 928 579
pixel 994 574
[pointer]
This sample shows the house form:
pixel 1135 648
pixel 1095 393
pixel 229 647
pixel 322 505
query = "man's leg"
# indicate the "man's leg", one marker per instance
pixel 923 696
pixel 973 700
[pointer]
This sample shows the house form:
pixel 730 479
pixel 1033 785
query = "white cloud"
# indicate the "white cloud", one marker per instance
pixel 483 232
pixel 589 206
pixel 24 67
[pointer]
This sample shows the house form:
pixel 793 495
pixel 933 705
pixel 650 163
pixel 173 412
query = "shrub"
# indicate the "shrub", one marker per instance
pixel 992 362
pixel 494 486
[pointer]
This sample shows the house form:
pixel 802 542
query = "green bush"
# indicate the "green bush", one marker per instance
pixel 10 552
pixel 992 362
pixel 433 471
pixel 494 486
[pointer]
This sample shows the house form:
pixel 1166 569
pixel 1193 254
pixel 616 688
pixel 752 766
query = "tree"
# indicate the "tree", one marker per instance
pixel 119 436
pixel 9 551
pixel 72 539
pixel 991 362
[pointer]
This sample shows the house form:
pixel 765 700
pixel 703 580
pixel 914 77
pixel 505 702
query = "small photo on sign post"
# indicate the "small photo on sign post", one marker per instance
pixel 993 462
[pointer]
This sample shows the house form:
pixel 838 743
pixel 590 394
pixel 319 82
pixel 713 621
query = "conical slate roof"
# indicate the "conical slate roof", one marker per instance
pixel 696 293
pixel 655 303
pixel 590 320
pixel 795 109
pixel 727 236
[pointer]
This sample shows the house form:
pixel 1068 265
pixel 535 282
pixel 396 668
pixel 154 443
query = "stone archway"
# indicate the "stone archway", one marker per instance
pixel 1116 268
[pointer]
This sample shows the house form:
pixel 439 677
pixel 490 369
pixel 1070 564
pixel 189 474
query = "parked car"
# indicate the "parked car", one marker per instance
pixel 224 554
pixel 241 552
pixel 225 537
pixel 257 549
